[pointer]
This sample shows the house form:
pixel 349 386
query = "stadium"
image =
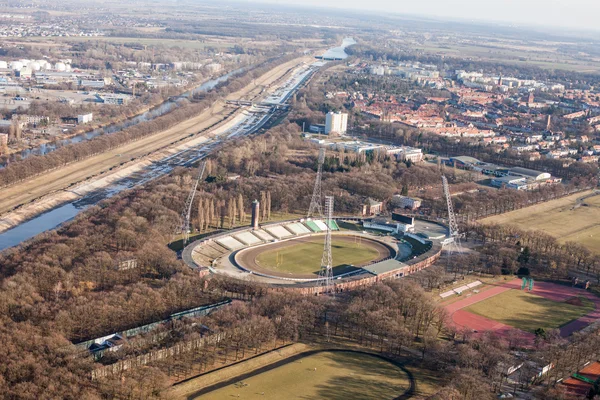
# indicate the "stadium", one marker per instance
pixel 322 253
pixel 288 254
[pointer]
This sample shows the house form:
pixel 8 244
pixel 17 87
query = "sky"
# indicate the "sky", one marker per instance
pixel 577 14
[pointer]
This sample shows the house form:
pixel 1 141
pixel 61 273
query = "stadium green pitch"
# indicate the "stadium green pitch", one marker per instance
pixel 303 256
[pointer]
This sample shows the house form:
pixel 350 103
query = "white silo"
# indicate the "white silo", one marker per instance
pixel 60 66
pixel 16 65
pixel 3 65
pixel 35 66
pixel 68 67
pixel 43 64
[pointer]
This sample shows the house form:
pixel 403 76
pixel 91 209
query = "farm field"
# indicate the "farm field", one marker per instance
pixel 570 218
pixel 326 375
pixel 303 256
pixel 528 312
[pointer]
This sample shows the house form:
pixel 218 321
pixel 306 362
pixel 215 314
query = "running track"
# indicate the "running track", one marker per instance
pixel 463 318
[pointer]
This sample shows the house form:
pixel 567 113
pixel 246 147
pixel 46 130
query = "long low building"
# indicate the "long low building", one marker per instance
pixel 509 177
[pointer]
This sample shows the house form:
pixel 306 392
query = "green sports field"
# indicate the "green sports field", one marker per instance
pixel 303 256
pixel 529 312
pixel 325 375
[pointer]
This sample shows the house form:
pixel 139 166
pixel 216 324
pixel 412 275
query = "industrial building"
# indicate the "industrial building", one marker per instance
pixel 505 177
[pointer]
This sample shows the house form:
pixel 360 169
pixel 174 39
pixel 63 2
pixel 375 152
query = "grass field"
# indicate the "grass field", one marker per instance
pixel 305 257
pixel 338 375
pixel 529 312
pixel 552 216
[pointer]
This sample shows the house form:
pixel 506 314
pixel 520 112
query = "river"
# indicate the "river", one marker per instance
pixel 339 53
pixel 149 115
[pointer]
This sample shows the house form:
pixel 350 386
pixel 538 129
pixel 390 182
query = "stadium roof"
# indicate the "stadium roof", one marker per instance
pixel 384 266
pixel 527 172
pixel 466 160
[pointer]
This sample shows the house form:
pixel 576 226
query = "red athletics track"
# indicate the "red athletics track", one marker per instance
pixel 550 291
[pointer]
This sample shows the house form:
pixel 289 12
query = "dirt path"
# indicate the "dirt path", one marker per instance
pixel 62 178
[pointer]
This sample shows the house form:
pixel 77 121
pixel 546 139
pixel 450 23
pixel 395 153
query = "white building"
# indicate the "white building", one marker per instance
pixel 85 118
pixel 382 224
pixel 336 123
pixel 213 67
pixel 406 202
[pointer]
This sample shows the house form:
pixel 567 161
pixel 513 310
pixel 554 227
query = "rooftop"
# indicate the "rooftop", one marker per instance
pixel 384 266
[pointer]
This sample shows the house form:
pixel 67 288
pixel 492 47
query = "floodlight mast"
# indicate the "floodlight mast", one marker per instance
pixel 315 209
pixel 186 213
pixel 326 273
pixel 452 244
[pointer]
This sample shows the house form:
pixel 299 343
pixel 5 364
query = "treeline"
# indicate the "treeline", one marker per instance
pixel 35 165
pixel 511 250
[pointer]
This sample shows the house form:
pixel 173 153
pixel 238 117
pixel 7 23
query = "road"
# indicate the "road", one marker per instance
pixel 64 177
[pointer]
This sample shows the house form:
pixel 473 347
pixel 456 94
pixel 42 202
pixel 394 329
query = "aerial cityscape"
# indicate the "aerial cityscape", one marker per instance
pixel 309 200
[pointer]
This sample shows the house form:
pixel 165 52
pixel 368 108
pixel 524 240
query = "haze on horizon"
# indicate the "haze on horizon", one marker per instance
pixel 572 14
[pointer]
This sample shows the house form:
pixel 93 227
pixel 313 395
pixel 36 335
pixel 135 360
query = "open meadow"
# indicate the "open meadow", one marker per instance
pixel 572 218
pixel 338 375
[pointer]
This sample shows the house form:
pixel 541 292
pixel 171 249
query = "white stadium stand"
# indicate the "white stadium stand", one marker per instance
pixel 320 224
pixel 279 232
pixel 247 238
pixel 461 289
pixel 262 235
pixel 230 243
pixel 298 228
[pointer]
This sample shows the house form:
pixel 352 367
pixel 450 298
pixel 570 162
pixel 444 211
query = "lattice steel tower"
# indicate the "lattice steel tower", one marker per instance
pixel 326 273
pixel 453 242
pixel 186 214
pixel 315 209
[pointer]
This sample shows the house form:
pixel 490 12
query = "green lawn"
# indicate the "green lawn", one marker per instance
pixel 529 312
pixel 338 376
pixel 304 256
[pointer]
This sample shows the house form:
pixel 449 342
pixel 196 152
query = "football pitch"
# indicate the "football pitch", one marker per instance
pixel 528 312
pixel 338 375
pixel 303 256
